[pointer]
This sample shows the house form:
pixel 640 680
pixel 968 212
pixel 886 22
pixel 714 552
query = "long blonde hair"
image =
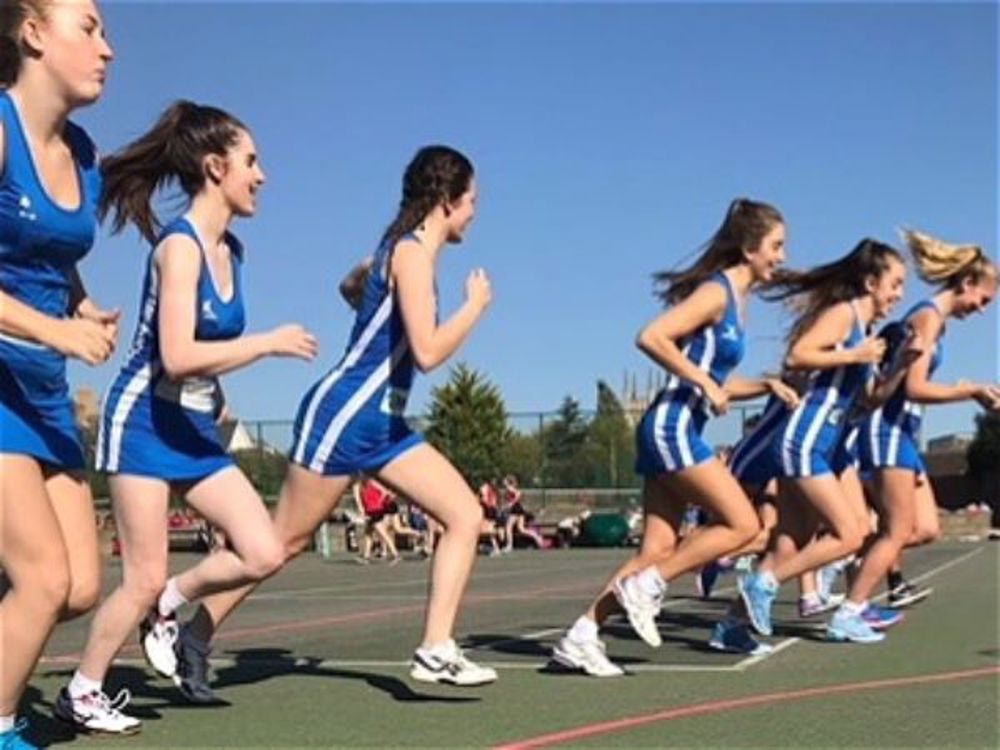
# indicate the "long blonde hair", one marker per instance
pixel 940 262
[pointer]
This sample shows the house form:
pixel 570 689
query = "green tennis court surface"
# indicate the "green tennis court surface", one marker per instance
pixel 318 658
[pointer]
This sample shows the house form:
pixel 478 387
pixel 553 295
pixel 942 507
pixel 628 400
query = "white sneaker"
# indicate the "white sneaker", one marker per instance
pixel 95 712
pixel 641 609
pixel 158 635
pixel 589 656
pixel 449 665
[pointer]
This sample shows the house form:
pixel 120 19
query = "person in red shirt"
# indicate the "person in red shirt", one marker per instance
pixel 379 508
pixel 517 517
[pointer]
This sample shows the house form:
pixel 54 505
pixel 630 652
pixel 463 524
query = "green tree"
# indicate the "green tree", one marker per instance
pixel 467 422
pixel 612 442
pixel 564 439
pixel 264 468
pixel 984 459
pixel 522 456
pixel 984 451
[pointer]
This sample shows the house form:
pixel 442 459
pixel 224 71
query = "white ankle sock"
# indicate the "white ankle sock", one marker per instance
pixel 853 608
pixel 7 722
pixel 82 685
pixel 171 599
pixel 442 648
pixel 811 598
pixel 583 630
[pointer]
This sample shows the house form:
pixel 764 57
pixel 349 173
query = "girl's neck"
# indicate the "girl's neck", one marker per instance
pixel 432 233
pixel 741 277
pixel 865 307
pixel 42 112
pixel 211 216
pixel 945 302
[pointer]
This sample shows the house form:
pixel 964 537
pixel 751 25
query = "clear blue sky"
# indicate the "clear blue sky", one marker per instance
pixel 608 141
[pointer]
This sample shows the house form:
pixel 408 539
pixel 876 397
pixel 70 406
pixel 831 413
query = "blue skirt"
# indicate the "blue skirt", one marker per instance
pixel 156 437
pixel 36 414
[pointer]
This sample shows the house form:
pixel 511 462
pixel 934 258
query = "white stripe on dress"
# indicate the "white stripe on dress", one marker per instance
pixel 130 394
pixel 378 319
pixel 354 405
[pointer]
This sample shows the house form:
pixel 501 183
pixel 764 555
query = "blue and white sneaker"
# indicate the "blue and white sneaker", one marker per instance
pixel 12 739
pixel 851 627
pixel 734 637
pixel 826 577
pixel 758 598
pixel 881 618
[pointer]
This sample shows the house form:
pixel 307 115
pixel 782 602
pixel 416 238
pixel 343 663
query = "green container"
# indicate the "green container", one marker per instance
pixel 605 530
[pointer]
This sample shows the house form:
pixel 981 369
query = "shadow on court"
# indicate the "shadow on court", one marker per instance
pixel 254 665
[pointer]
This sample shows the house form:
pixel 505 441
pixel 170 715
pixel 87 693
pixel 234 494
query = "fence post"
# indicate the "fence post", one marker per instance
pixel 541 442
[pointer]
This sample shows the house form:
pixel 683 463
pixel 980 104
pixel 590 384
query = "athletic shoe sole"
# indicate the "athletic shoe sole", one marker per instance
pixel 93 731
pixel 563 659
pixel 422 674
pixel 907 601
pixel 839 636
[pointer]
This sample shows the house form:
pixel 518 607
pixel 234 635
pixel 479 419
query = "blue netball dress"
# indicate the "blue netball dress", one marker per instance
pixel 846 455
pixel 889 438
pixel 352 419
pixel 151 425
pixel 751 461
pixel 812 433
pixel 40 245
pixel 668 437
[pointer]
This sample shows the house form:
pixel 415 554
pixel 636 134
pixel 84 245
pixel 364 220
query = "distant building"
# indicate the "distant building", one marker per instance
pixel 635 400
pixel 946 455
pixel 235 436
pixel 947 464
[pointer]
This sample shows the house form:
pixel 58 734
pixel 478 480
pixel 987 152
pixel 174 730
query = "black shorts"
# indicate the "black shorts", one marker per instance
pixel 389 509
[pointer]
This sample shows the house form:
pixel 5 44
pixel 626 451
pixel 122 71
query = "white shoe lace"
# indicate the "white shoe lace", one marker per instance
pixel 113 706
pixel 459 657
pixel 168 629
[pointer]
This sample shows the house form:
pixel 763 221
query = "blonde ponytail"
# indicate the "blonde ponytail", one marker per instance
pixel 940 262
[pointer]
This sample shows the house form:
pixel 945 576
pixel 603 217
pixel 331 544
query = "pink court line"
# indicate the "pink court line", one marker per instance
pixel 698 709
pixel 322 622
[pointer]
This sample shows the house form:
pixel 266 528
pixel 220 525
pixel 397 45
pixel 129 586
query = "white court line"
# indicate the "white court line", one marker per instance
pixel 538 634
pixel 751 660
pixel 754 660
pixel 512 596
pixel 306 663
pixel 292 593
pixel 670 604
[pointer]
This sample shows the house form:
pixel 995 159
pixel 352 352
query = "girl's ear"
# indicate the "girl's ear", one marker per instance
pixel 215 167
